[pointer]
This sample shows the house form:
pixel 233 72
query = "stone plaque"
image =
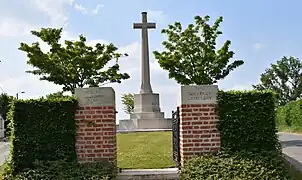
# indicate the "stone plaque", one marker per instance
pixel 199 94
pixel 95 96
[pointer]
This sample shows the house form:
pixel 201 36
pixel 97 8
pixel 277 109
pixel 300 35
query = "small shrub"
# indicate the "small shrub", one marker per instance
pixel 236 166
pixel 42 130
pixel 65 170
pixel 247 121
pixel 290 115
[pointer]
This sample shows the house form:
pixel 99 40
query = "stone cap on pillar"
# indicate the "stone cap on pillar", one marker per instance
pixel 198 94
pixel 95 96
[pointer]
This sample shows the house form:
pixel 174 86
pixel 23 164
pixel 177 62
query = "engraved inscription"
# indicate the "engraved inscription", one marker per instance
pixel 95 96
pixel 199 94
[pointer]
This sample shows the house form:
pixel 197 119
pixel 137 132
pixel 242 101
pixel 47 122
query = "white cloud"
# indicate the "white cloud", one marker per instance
pixel 80 8
pixel 56 10
pixel 85 10
pixel 30 84
pixel 97 9
pixel 259 46
pixel 11 27
pixel 156 15
pixel 241 87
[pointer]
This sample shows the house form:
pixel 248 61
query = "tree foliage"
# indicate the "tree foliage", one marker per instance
pixel 191 56
pixel 5 101
pixel 284 78
pixel 73 64
pixel 59 94
pixel 128 102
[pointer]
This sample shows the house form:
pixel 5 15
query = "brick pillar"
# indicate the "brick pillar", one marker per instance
pixel 198 121
pixel 96 132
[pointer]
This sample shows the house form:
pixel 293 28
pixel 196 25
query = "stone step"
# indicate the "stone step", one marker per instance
pixel 148 174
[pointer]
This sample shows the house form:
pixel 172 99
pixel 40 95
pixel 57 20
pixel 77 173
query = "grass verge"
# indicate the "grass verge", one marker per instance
pixel 294 173
pixel 144 150
pixel 290 129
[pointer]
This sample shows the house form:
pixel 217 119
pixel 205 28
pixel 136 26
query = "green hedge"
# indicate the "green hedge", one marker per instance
pixel 238 165
pixel 247 121
pixel 290 116
pixel 42 130
pixel 58 170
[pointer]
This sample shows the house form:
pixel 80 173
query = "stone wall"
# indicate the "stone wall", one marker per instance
pixel 198 121
pixel 96 133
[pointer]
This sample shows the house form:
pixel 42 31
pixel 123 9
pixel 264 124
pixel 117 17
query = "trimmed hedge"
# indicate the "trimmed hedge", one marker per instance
pixel 66 171
pixel 290 115
pixel 42 130
pixel 247 121
pixel 238 165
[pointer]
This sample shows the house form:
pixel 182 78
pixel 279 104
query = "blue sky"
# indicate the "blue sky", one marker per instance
pixel 261 33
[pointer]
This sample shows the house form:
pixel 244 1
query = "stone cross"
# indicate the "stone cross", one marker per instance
pixel 145 69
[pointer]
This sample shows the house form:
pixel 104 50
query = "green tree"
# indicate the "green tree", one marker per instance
pixel 74 64
pixel 284 78
pixel 191 56
pixel 128 102
pixel 5 101
pixel 55 95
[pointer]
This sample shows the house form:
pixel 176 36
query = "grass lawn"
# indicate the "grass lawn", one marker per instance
pixel 144 150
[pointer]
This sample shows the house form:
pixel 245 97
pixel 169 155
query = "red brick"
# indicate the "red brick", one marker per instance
pixel 96 107
pixel 187 118
pixel 97 116
pixel 89 112
pixel 89 146
pixel 197 139
pixel 188 145
pixel 196 105
pixel 186 110
pixel 204 109
pixel 197 122
pixel 89 129
pixel 98 142
pixel 79 117
pixel 89 138
pixel 108 120
pixel 107 111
